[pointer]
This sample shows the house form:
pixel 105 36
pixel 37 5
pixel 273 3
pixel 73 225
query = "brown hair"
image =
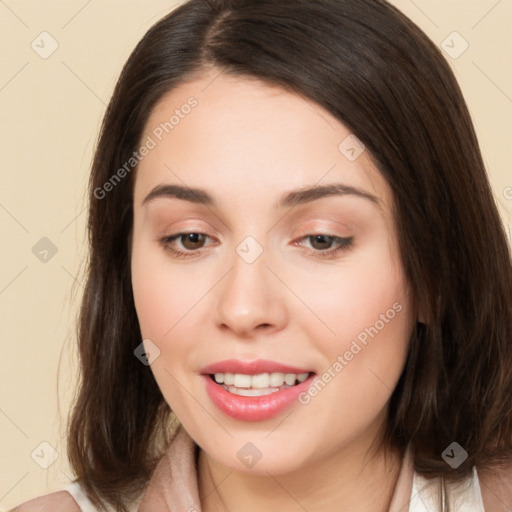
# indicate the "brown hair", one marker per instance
pixel 381 76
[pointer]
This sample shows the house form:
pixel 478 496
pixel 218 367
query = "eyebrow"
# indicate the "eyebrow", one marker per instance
pixel 292 198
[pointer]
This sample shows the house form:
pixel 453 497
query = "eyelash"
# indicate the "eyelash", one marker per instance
pixel 343 245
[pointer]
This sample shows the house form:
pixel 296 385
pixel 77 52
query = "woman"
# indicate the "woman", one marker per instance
pixel 295 249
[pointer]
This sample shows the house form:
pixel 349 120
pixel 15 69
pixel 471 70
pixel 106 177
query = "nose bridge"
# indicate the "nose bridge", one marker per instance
pixel 248 298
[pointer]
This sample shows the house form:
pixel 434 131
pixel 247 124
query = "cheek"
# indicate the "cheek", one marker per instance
pixel 162 300
pixel 367 324
pixel 163 291
pixel 366 289
pixel 154 291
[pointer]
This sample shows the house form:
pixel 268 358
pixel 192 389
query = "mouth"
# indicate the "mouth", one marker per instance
pixel 256 396
pixel 254 390
pixel 260 384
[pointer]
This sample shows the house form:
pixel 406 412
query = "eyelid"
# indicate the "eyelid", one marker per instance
pixel 178 234
pixel 341 245
pixel 326 226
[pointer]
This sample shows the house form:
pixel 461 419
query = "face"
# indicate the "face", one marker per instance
pixel 253 270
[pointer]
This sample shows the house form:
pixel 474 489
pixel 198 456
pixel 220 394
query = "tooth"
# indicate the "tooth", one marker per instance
pixel 289 378
pixel 251 392
pixel 260 381
pixel 242 381
pixel 276 379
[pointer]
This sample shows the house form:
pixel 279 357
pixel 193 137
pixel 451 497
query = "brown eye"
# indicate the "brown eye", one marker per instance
pixel 321 242
pixel 184 245
pixel 326 246
pixel 192 241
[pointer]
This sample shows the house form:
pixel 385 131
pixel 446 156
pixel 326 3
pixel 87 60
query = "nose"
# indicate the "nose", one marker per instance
pixel 250 299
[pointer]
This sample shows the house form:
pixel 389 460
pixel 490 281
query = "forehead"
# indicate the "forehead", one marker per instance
pixel 246 136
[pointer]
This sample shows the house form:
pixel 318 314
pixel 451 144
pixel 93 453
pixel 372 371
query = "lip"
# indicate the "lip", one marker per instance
pixel 251 367
pixel 254 408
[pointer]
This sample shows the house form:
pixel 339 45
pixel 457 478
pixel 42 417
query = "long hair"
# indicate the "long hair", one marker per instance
pixel 380 75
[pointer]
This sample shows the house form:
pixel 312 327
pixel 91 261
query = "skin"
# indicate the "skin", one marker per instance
pixel 248 143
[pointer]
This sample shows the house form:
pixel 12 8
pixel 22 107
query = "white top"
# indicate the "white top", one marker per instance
pixel 85 504
pixel 430 495
pixel 427 495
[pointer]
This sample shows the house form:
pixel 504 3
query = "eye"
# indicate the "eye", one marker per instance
pixel 188 245
pixel 191 242
pixel 322 245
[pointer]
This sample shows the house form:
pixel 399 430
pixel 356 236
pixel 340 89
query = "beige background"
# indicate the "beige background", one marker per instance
pixel 51 110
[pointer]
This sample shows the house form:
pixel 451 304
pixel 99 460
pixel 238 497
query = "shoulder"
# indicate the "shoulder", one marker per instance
pixel 496 488
pixel 59 501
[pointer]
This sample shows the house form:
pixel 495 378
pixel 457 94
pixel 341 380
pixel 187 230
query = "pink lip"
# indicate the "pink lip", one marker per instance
pixel 250 367
pixel 254 408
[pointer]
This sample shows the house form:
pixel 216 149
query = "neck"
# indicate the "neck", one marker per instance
pixel 343 480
